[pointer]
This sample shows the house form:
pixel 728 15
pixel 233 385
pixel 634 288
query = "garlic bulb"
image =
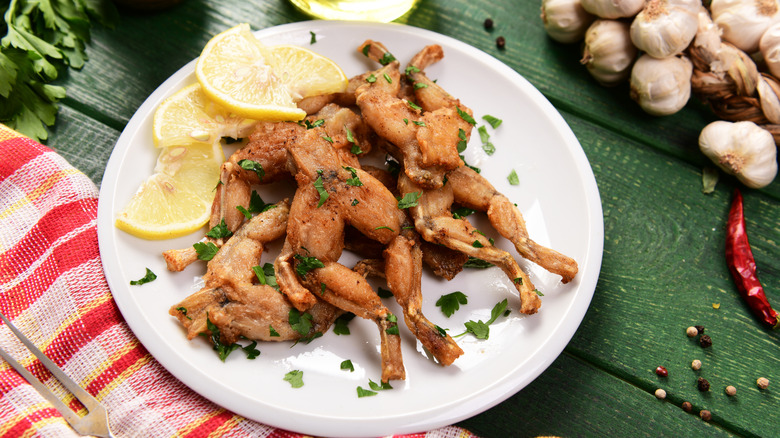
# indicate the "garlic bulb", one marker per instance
pixel 613 8
pixel 744 21
pixel 769 45
pixel 661 86
pixel 565 20
pixel 742 149
pixel 665 27
pixel 608 52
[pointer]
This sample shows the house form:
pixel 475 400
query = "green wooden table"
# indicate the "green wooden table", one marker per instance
pixel 663 265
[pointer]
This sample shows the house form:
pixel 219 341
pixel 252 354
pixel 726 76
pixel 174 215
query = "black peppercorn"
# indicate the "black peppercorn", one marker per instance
pixel 687 406
pixel 705 341
pixel 488 24
pixel 500 42
pixel 703 384
pixel 700 329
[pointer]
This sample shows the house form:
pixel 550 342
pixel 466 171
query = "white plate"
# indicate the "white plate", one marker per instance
pixel 557 194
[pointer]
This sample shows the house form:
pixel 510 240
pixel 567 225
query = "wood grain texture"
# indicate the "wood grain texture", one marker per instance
pixel 663 265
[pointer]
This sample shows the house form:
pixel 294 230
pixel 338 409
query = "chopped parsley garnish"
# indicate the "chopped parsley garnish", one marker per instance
pixel 328 139
pixel 518 280
pixel 409 200
pixel 487 146
pixel 306 264
pixel 272 332
pixel 220 231
pixel 494 122
pixel 466 116
pixel 378 386
pixel 312 125
pixel 418 123
pixel 257 205
pixel 413 105
pixel 150 276
pixel 482 329
pixel 371 78
pixel 347 365
pixel 206 250
pixel 321 190
pixel 354 181
pixel 313 37
pixel 365 392
pixel 538 292
pixel 253 166
pixel 461 212
pixel 355 149
pixel 383 227
pixel 300 322
pixel 406 121
pixel 366 49
pixel 295 377
pixel 387 78
pixel 463 141
pixel 340 326
pixel 355 202
pixel 266 275
pixel 477 244
pixel 450 303
pixel 442 332
pixel 387 58
pixel 418 85
pixel 513 178
pixel 183 311
pixel 411 69
pixel 223 350
pixel 251 351
pixel 247 214
pixel 476 263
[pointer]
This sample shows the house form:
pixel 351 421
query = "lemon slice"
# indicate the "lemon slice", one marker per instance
pixel 307 73
pixel 189 116
pixel 260 82
pixel 176 199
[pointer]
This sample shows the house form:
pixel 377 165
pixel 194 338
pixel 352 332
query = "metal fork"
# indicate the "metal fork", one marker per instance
pixel 94 423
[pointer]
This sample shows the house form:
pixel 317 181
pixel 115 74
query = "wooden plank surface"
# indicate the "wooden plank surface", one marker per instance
pixel 663 266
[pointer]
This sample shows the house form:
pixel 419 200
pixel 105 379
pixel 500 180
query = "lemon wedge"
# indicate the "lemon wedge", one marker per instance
pixel 189 116
pixel 176 199
pixel 263 83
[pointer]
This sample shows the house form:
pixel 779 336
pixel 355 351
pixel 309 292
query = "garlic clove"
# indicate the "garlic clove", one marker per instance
pixel 661 86
pixel 743 22
pixel 608 52
pixel 665 27
pixel 565 21
pixel 742 149
pixel 769 46
pixel 768 89
pixel 613 8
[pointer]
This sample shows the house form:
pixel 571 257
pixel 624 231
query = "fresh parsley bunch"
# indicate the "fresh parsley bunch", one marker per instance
pixel 43 37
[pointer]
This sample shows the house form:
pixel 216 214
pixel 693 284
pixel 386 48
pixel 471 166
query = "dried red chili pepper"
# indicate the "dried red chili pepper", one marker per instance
pixel 739 258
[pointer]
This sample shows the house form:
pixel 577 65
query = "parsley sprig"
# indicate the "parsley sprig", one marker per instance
pixel 41 40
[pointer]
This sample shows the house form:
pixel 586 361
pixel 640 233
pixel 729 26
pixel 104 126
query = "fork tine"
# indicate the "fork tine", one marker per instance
pixel 96 420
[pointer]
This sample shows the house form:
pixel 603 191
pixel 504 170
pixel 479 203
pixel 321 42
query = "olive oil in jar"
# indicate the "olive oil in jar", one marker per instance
pixel 368 10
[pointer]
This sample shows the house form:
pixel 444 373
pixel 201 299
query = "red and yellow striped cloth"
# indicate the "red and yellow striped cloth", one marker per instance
pixel 53 289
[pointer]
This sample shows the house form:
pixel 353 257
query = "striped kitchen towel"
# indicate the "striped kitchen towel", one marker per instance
pixel 53 289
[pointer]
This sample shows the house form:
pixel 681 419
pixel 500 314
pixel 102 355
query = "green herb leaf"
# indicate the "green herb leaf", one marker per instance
pixel 150 276
pixel 481 330
pixel 487 146
pixel 409 200
pixel 418 123
pixel 379 386
pixel 272 332
pixel 388 78
pixel 418 85
pixel 183 311
pixel 383 293
pixel 300 322
pixel 477 244
pixel 251 351
pixel 365 392
pixel 321 190
pixel 387 58
pixel 340 326
pixel 494 122
pixel 295 377
pixel 306 264
pixel 371 78
pixel 328 139
pixel 383 227
pixel 313 37
pixel 257 205
pixel 354 181
pixel 513 178
pixel 347 365
pixel 223 350
pixel 247 214
pixel 411 69
pixel 463 141
pixel 466 116
pixel 413 105
pixel 462 212
pixel 476 263
pixel 220 231
pixel 354 202
pixel 252 166
pixel 451 302
pixel 475 169
pixel 205 250
pixel 366 49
